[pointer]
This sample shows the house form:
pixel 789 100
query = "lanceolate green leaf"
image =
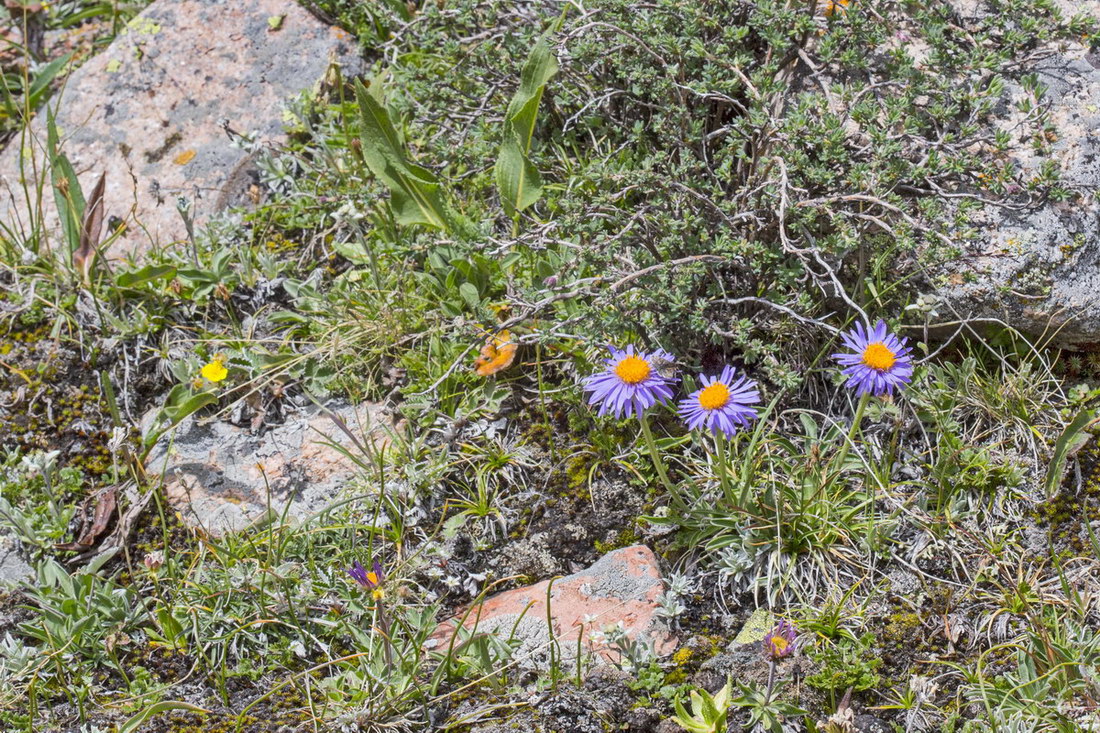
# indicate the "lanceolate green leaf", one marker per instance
pixel 517 178
pixel 66 188
pixel 135 723
pixel 415 191
pixel 540 68
pixel 1072 439
pixel 40 87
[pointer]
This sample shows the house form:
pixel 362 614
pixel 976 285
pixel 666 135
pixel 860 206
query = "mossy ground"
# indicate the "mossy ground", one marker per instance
pixel 50 398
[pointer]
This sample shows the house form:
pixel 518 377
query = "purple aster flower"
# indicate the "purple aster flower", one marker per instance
pixel 631 383
pixel 880 363
pixel 369 579
pixel 782 641
pixel 722 405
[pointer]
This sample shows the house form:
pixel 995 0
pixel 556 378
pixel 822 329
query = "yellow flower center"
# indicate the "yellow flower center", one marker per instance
pixel 779 644
pixel 877 356
pixel 715 396
pixel 215 371
pixel 633 369
pixel 372 578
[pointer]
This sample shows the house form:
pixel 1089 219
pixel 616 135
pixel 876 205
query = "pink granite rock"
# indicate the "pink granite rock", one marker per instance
pixel 621 587
pixel 152 110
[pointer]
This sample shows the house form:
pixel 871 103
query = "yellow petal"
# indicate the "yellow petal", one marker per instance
pixel 215 371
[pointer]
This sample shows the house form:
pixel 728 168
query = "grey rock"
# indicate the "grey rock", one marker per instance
pixel 980 9
pixel 12 567
pixel 1037 268
pixel 223 478
pixel 604 700
pixel 149 112
pixel 871 724
pixel 742 662
pixel 903 582
pixel 970 9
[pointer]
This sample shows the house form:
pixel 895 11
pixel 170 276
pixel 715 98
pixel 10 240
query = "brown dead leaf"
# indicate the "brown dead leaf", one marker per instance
pixel 105 506
pixel 91 228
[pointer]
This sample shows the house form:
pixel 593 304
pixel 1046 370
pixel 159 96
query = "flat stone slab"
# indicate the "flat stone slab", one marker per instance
pixel 222 478
pixel 151 111
pixel 621 587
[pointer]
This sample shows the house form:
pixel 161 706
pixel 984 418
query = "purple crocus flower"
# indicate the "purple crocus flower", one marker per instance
pixel 631 383
pixel 782 641
pixel 880 362
pixel 722 404
pixel 369 579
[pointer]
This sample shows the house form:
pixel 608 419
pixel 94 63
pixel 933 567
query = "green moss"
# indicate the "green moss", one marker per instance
pixel 901 626
pixel 280 243
pixel 682 666
pixel 51 398
pixel 576 472
pixel 1068 511
pixel 625 538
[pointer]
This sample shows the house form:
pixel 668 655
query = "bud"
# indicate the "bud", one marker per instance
pixel 153 561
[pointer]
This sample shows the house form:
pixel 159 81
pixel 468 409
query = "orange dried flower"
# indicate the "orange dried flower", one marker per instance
pixel 497 354
pixel 831 6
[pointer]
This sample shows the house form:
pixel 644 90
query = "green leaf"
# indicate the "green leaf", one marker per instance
pixel 1073 438
pixel 540 68
pixel 453 524
pixel 66 187
pixel 179 404
pixel 517 178
pixel 353 250
pixel 134 724
pixel 40 87
pixel 169 625
pixel 469 294
pixel 415 195
pixel 97 562
pixel 191 405
pixel 147 274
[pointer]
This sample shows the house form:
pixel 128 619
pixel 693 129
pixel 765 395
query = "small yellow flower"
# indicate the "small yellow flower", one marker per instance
pixel 215 371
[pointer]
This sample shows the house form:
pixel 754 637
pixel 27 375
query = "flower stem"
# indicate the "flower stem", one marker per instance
pixel 856 420
pixel 723 470
pixel 657 462
pixel 771 682
pixel 387 640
